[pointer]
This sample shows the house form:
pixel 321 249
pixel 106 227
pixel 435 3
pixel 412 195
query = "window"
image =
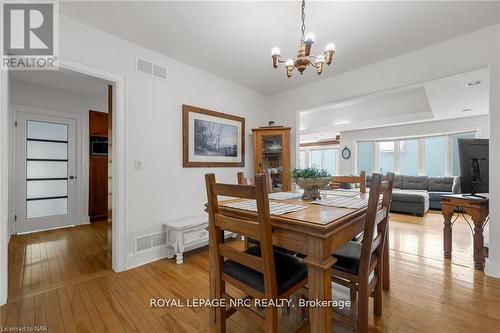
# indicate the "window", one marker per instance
pixel 386 156
pixel 315 156
pixel 435 159
pixel 454 151
pixel 302 159
pixel 323 158
pixel 365 156
pixel 430 155
pixel 329 159
pixel 408 157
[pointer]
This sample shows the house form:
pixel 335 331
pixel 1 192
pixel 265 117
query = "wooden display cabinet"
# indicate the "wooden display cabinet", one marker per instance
pixel 272 155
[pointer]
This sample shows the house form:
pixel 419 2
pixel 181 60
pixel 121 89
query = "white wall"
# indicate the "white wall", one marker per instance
pixel 162 190
pixel 63 103
pixel 347 167
pixel 4 181
pixel 476 50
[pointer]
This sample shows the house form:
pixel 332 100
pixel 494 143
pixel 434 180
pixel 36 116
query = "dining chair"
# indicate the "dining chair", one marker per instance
pixel 245 181
pixel 361 180
pixel 260 272
pixel 359 265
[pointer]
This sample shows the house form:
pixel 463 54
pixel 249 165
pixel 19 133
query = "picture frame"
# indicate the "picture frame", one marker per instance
pixel 212 139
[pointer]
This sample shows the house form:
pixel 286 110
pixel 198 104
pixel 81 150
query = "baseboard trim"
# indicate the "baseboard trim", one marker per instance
pixel 147 256
pixel 492 269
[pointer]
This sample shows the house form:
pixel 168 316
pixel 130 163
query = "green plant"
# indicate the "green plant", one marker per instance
pixel 312 172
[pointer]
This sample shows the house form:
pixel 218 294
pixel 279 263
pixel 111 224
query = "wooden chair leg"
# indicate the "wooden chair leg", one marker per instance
pixel 377 292
pixel 353 293
pixel 363 297
pixel 220 312
pixel 271 319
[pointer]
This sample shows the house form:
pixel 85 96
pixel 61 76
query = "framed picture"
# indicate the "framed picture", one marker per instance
pixel 212 139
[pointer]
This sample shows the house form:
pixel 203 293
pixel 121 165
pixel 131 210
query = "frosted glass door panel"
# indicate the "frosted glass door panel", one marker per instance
pixel 46 169
pixel 37 189
pixel 46 131
pixel 46 150
pixel 42 208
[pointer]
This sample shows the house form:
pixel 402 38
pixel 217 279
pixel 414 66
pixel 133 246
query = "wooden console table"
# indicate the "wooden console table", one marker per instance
pixel 477 208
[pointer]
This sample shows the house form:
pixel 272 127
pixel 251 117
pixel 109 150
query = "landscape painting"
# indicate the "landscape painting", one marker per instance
pixel 215 139
pixel 212 139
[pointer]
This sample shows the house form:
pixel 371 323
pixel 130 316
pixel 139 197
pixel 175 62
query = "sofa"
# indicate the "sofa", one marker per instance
pixel 417 194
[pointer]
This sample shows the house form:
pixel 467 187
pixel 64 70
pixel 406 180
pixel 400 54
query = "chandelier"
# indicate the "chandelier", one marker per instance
pixel 304 57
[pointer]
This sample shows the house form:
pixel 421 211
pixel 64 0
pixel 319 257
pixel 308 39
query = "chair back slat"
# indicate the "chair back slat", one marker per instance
pixel 376 218
pixel 259 229
pixel 246 228
pixel 246 259
pixel 361 180
pixel 231 190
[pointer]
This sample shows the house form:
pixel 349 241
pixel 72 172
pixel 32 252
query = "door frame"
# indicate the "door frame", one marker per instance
pixel 119 168
pixel 80 183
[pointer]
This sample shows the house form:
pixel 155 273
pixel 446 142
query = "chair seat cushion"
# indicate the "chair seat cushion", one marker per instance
pixel 348 258
pixel 290 270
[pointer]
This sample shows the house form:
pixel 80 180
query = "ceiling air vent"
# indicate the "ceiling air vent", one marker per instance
pixel 151 69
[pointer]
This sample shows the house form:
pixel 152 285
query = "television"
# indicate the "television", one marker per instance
pixel 474 159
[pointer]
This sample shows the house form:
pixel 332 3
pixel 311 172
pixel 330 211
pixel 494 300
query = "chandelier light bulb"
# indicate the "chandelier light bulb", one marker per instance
pixel 309 38
pixel 330 47
pixel 275 51
pixel 289 63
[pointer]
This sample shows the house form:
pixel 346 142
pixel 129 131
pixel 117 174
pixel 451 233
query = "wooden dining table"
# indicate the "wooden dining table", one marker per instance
pixel 315 232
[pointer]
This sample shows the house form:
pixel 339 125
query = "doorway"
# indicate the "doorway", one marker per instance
pixel 53 239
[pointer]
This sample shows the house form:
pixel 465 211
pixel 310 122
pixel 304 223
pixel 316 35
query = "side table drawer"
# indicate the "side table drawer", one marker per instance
pixel 195 236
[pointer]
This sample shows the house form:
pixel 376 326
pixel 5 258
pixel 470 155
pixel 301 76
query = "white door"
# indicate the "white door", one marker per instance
pixel 45 184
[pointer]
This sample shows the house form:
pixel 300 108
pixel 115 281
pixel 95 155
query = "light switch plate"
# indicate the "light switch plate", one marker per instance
pixel 138 164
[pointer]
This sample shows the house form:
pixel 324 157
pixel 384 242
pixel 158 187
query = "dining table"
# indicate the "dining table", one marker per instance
pixel 315 232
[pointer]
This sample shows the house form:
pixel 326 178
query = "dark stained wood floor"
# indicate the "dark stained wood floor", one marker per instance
pixel 73 289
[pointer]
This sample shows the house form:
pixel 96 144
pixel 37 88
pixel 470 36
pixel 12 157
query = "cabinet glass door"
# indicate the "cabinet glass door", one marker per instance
pixel 272 159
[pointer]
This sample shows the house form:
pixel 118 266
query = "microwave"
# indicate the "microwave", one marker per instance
pixel 98 146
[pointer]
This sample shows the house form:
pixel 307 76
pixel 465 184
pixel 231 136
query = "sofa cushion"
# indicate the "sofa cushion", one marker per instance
pixel 398 181
pixel 440 184
pixel 369 180
pixel 436 196
pixel 415 183
pixel 410 196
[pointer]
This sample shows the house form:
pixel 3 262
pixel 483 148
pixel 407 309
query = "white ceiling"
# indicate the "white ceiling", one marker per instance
pixel 233 39
pixel 63 80
pixel 444 98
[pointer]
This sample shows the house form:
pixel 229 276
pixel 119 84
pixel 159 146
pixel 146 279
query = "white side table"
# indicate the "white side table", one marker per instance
pixel 187 234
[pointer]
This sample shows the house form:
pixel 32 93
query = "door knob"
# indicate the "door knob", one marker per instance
pixel 72 177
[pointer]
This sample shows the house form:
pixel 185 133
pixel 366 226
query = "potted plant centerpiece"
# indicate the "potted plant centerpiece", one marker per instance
pixel 311 180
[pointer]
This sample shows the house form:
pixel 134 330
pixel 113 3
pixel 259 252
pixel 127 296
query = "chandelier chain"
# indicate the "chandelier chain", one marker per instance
pixel 303 29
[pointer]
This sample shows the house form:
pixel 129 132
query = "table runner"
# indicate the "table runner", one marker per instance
pixel 274 207
pixel 342 202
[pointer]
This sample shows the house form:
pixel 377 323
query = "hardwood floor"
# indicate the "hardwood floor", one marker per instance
pixel 50 258
pixel 428 293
